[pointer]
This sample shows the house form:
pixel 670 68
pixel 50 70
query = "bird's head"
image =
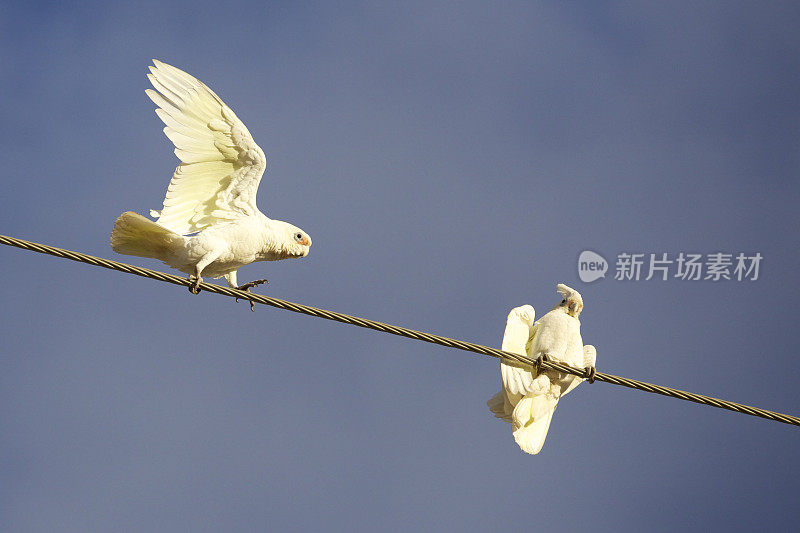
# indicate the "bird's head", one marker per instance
pixel 571 301
pixel 296 242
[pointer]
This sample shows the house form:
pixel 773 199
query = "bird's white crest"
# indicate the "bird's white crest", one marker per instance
pixel 568 292
pixel 221 163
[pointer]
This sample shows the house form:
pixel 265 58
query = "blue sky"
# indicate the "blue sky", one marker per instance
pixel 450 162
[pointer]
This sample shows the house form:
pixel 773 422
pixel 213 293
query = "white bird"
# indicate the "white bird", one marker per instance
pixel 528 400
pixel 210 223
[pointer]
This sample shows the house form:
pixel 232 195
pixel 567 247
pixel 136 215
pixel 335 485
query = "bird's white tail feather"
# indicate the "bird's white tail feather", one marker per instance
pixel 531 419
pixel 134 234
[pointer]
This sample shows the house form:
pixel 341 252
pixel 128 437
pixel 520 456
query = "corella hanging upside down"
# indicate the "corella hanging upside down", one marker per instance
pixel 209 223
pixel 528 400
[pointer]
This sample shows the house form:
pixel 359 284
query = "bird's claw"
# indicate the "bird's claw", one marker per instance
pixel 246 287
pixel 539 360
pixel 589 373
pixel 194 288
pixel 249 284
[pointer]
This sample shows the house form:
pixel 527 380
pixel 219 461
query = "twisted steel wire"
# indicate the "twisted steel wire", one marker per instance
pixel 402 332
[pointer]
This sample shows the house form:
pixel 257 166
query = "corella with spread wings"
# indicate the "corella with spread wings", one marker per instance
pixel 528 400
pixel 210 223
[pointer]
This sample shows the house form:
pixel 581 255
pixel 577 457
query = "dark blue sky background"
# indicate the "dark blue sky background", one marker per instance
pixel 450 161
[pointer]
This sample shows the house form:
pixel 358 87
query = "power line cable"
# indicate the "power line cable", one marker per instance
pixel 402 332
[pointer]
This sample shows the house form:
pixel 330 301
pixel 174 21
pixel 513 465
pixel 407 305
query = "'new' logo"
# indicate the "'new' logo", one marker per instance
pixel 591 266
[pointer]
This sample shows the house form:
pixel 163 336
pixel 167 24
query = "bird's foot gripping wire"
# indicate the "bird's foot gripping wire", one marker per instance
pixel 538 362
pixel 194 288
pixel 247 286
pixel 588 373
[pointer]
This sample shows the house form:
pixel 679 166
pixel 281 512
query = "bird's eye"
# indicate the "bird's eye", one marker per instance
pixel 298 236
pixel 563 301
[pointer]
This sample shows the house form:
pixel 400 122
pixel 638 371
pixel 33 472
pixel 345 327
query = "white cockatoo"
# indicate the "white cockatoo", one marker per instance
pixel 209 223
pixel 528 400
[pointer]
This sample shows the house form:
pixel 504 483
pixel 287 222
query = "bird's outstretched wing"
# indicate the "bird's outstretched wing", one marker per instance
pixel 516 379
pixel 221 163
